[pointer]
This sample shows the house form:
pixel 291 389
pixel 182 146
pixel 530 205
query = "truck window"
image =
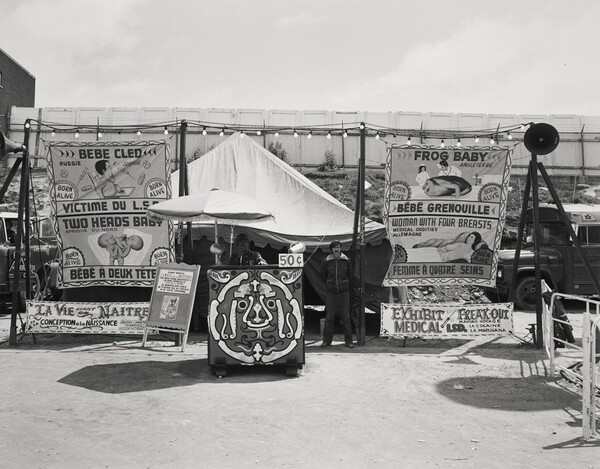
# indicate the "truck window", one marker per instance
pixel 589 235
pixel 46 228
pixel 552 233
pixel 11 230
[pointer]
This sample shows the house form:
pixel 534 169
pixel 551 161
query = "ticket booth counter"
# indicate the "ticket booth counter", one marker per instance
pixel 255 317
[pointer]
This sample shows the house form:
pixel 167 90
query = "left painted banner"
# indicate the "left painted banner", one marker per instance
pixel 86 318
pixel 99 196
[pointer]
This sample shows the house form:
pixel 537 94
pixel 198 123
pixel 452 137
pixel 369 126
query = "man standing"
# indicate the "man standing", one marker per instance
pixel 336 272
pixel 446 170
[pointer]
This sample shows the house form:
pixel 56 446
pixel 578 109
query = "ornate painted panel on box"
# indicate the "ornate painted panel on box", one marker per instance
pixel 255 316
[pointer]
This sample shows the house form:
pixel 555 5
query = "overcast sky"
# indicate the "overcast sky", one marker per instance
pixel 460 56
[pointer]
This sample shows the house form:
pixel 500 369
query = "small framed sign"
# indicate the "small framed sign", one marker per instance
pixel 291 260
pixel 172 300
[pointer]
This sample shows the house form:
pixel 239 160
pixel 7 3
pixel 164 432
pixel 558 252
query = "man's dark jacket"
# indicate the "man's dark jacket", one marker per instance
pixel 336 273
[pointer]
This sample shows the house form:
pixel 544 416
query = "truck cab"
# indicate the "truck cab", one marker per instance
pixel 43 250
pixel 561 264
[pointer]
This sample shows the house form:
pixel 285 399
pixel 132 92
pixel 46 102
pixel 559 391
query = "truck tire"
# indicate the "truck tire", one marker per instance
pixel 525 296
pixel 494 296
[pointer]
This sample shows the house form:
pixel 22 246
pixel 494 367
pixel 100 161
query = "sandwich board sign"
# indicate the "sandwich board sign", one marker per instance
pixel 172 300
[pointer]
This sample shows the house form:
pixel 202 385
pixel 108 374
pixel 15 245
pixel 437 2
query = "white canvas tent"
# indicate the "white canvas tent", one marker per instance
pixel 302 211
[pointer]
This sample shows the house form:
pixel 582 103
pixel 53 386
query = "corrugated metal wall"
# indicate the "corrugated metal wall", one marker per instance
pixel 577 154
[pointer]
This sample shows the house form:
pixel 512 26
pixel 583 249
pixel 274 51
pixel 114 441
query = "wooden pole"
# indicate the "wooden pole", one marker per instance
pixel 182 190
pixel 520 230
pixel 361 312
pixel 582 153
pixel 355 299
pixel 23 203
pixel 184 183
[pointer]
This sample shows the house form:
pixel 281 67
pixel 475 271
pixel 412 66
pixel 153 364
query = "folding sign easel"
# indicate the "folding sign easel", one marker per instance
pixel 172 300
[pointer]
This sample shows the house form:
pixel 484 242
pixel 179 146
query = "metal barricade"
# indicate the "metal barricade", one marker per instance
pixel 588 373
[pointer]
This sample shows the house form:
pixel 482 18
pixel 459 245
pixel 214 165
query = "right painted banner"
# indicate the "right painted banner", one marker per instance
pixel 444 213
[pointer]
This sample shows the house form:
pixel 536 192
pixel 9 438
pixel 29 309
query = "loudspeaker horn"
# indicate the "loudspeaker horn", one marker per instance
pixel 7 146
pixel 541 139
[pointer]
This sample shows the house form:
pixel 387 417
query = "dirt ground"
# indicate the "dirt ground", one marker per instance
pixel 73 401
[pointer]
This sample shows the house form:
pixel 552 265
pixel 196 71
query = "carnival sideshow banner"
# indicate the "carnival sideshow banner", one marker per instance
pixel 58 317
pixel 99 195
pixel 446 321
pixel 444 213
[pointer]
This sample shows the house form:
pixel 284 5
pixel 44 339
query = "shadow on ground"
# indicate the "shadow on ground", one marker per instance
pixel 533 393
pixel 117 378
pixel 578 442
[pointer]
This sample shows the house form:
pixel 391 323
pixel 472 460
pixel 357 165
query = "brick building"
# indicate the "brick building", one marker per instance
pixel 17 88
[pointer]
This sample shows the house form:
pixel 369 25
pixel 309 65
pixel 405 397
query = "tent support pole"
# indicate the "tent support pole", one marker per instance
pixel 354 300
pixel 184 169
pixel 361 312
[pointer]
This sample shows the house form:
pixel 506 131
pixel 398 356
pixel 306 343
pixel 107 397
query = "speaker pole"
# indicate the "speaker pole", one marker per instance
pixel 540 139
pixel 537 241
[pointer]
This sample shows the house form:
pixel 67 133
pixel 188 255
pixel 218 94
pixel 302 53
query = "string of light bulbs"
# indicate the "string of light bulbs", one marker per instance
pixel 344 130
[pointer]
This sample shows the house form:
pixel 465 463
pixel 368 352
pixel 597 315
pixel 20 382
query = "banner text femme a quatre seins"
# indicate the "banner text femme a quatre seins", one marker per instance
pixel 444 213
pixel 99 196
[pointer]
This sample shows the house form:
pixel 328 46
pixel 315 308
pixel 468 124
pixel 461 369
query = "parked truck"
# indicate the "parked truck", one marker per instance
pixel 561 264
pixel 43 252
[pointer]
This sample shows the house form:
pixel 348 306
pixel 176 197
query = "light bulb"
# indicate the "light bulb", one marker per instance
pixel 258 132
pixel 27 125
pixel 509 136
pixel 377 136
pixel 362 126
pixel 345 133
pixel 309 134
pixel 242 134
pixel 295 134
pixel 458 144
pixel 77 133
pixel 276 134
pixel 166 132
pixel 492 141
pixel 408 142
pixel 204 131
pixel 222 132
pixel 139 133
pixel 53 133
pixel 442 144
pixel 328 134
pixel 99 134
pixel 476 139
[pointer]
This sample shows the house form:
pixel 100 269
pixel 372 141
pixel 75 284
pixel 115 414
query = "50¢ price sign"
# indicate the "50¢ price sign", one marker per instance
pixel 291 260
